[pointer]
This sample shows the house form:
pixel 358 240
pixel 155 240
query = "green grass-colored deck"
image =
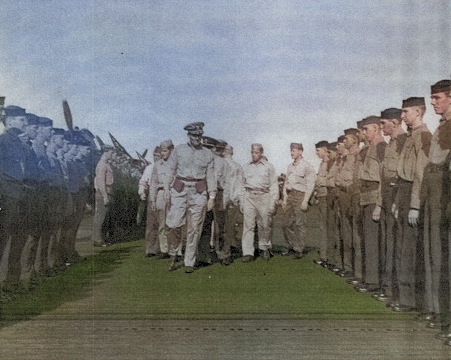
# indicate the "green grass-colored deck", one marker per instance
pixel 136 287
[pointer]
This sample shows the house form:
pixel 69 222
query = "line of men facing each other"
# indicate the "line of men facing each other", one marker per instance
pixel 385 208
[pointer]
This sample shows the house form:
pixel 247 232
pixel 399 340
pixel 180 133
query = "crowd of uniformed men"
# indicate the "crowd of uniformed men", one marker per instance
pixel 382 195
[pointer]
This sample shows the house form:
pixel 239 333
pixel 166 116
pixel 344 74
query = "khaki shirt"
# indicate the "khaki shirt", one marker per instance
pixel 413 159
pixel 159 173
pixel 300 177
pixel 371 173
pixel 260 176
pixel 391 157
pixel 345 173
pixel 322 180
pixel 104 178
pixel 232 185
pixel 331 173
pixel 191 163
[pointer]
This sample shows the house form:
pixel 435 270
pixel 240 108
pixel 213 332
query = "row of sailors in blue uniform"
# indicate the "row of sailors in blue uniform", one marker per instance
pixel 45 181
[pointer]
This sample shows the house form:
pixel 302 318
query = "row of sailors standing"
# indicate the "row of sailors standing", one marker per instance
pixel 45 181
pixel 385 216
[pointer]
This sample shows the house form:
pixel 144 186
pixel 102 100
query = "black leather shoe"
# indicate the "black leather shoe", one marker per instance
pixel 434 324
pixel 443 335
pixel 287 252
pixel 353 281
pixel 172 263
pixel 227 261
pixel 403 308
pixel 266 255
pixel 319 261
pixel 247 258
pixel 163 256
pixel 189 269
pixel 297 255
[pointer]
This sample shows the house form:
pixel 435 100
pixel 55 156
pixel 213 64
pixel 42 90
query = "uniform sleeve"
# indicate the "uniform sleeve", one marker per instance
pixel 310 178
pixel 421 148
pixel 143 184
pixel 153 187
pixel 274 184
pixel 172 167
pixel 211 178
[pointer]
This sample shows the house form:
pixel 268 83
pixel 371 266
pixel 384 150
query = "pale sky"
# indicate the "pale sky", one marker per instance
pixel 271 72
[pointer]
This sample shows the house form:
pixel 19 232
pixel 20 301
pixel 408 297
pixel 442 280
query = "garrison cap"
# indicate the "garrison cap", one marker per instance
pixel 341 139
pixel 157 150
pixel 332 146
pixel 322 143
pixel 391 113
pixel 351 131
pixel 372 119
pixel 32 119
pixel 167 144
pixel 441 86
pixel 13 110
pixel 58 131
pixel 43 121
pixel 413 101
pixel 296 146
pixel 195 128
pixel 209 142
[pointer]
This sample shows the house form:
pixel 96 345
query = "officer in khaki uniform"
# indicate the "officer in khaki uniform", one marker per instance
pixel 298 187
pixel 347 193
pixel 391 127
pixel 434 198
pixel 341 199
pixel 410 168
pixel 321 195
pixel 190 189
pixel 333 242
pixel 260 193
pixel 372 157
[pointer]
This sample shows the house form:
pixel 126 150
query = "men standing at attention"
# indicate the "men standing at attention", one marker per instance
pixel 190 189
pixel 260 195
pixel 19 176
pixel 435 197
pixel 321 195
pixel 371 201
pixel 103 183
pixel 391 127
pixel 298 188
pixel 412 161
